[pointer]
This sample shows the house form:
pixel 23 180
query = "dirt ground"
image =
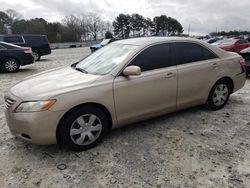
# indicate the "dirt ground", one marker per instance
pixel 191 148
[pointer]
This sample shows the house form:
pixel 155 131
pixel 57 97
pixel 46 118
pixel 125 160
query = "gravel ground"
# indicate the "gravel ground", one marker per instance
pixel 191 148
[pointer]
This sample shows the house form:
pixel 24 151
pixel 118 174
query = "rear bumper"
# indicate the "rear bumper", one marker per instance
pixel 239 81
pixel 27 59
pixel 45 51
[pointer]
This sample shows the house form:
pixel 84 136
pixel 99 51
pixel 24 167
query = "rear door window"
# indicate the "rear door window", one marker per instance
pixel 191 52
pixel 14 39
pixel 154 57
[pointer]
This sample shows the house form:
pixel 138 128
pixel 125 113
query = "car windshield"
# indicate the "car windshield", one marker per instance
pixel 105 42
pixel 106 59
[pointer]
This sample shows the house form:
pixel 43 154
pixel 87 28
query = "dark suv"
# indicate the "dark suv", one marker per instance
pixel 39 43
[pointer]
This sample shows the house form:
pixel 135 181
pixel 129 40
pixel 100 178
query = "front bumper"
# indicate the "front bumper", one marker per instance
pixel 36 127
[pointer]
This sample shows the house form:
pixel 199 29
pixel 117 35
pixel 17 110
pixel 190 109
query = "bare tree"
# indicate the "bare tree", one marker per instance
pixel 14 15
pixel 74 23
pixel 95 24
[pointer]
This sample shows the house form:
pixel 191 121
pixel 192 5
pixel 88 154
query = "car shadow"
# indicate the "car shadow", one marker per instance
pixel 43 60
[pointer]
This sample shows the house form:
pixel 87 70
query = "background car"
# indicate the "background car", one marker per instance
pixel 13 56
pixel 234 45
pixel 246 55
pixel 100 45
pixel 39 43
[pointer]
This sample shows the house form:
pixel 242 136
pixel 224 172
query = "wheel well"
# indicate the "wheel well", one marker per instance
pixel 230 81
pixel 81 106
pixel 6 58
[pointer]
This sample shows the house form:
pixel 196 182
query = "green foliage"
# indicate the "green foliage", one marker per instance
pixel 90 26
pixel 140 26
pixel 233 33
pixel 122 26
pixel 163 25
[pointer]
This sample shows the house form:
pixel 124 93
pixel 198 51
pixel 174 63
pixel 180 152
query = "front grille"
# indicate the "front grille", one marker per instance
pixel 9 102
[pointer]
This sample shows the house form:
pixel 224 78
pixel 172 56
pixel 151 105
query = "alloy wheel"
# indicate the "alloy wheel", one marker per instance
pixel 11 65
pixel 85 129
pixel 220 95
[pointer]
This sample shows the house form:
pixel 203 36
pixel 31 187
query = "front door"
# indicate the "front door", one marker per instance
pixel 151 93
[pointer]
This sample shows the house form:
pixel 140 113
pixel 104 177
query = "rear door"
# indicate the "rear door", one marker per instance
pixel 198 69
pixel 152 92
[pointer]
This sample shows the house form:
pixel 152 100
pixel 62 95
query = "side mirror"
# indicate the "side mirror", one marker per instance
pixel 132 71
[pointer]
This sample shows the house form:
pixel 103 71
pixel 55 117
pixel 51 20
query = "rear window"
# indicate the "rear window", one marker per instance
pixel 14 39
pixel 1 38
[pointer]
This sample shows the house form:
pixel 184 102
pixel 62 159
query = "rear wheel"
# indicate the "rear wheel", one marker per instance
pixel 36 55
pixel 11 65
pixel 83 128
pixel 219 95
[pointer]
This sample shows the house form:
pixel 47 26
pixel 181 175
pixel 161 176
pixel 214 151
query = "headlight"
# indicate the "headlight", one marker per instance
pixel 35 106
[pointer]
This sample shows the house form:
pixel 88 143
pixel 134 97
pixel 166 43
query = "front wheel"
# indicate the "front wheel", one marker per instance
pixel 218 95
pixel 11 65
pixel 83 128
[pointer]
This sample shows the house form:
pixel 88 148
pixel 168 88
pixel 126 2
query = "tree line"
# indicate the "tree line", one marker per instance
pixel 233 33
pixel 90 26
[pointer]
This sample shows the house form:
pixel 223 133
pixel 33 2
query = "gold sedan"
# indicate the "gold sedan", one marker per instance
pixel 123 82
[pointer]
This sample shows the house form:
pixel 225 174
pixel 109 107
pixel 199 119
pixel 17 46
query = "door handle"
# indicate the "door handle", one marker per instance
pixel 215 65
pixel 170 75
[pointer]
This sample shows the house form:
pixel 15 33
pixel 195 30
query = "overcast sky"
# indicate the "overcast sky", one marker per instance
pixel 204 16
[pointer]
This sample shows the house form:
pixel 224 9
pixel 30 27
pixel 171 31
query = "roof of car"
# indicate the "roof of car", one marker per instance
pixel 150 40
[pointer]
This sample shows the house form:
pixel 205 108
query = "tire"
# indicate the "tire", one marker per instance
pixel 77 133
pixel 11 65
pixel 219 95
pixel 36 55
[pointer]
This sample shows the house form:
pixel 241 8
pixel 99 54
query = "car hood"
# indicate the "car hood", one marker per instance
pixel 96 46
pixel 50 83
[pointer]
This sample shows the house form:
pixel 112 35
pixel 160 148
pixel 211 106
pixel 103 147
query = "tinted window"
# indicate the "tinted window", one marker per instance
pixel 36 39
pixel 14 39
pixel 154 57
pixel 191 52
pixel 242 41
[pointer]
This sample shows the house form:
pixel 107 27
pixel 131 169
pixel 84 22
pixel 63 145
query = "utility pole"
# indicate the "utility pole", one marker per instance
pixel 189 30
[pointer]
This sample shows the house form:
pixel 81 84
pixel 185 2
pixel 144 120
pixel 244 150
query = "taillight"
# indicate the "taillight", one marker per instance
pixel 242 62
pixel 27 50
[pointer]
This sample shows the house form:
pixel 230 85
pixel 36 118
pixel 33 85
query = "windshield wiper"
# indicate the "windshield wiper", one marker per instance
pixel 81 70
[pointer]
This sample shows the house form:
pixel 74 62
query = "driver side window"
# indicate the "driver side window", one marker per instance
pixel 153 57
